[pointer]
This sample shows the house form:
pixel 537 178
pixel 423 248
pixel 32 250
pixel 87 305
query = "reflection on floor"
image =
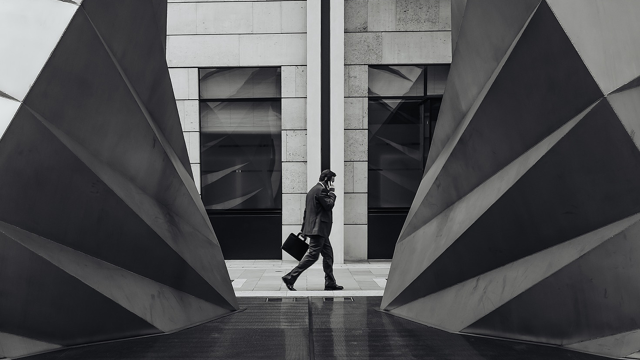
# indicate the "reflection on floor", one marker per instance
pixel 263 278
pixel 280 328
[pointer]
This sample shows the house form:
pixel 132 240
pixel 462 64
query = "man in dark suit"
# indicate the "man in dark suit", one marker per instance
pixel 318 218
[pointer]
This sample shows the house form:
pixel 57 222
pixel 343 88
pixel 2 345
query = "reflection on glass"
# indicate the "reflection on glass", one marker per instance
pixel 396 80
pixel 240 154
pixel 395 152
pixel 400 133
pixel 236 83
pixel 437 79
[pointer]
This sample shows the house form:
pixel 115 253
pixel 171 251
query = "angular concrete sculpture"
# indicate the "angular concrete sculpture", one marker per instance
pixel 527 222
pixel 102 232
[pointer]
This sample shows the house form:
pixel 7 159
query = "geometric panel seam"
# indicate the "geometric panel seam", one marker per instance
pixel 147 316
pixel 92 163
pixel 457 134
pixel 181 171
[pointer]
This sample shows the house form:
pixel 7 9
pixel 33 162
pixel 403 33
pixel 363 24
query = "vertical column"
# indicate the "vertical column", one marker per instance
pixel 337 124
pixel 294 149
pixel 364 21
pixel 185 89
pixel 313 92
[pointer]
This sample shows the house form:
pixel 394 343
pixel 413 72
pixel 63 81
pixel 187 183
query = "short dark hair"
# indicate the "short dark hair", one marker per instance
pixel 326 174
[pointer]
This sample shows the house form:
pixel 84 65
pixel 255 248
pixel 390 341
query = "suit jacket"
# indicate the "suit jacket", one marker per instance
pixel 318 215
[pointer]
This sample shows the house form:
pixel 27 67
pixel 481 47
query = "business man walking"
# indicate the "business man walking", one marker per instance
pixel 318 218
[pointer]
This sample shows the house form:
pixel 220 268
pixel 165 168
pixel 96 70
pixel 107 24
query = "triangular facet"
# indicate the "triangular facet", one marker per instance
pixel 605 33
pixel 135 20
pixel 14 345
pixel 76 208
pixel 496 21
pixel 457 13
pixel 40 301
pixel 628 86
pixel 93 171
pixel 449 309
pixel 411 278
pixel 113 133
pixel 510 120
pixel 626 104
pixel 165 308
pixel 618 345
pixel 593 297
pixel 550 204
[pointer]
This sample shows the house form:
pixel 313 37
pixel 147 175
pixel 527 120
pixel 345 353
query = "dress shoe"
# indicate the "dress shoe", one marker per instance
pixel 334 287
pixel 289 284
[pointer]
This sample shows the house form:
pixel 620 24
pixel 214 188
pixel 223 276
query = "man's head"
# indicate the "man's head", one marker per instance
pixel 327 175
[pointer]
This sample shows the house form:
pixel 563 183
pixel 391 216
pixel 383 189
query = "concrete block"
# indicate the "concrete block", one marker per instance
pixel 348 177
pixel 181 19
pixel 180 83
pixel 382 15
pixel 194 84
pixel 273 49
pixel 301 81
pixel 203 50
pixel 293 208
pixel 294 16
pixel 356 81
pixel 192 140
pixel 189 112
pixel 355 15
pixel 360 177
pixel 184 82
pixel 355 209
pixel 356 145
pixel 225 18
pixel 294 177
pixel 294 113
pixel 267 17
pixel 423 15
pixel 294 145
pixel 355 242
pixel 416 48
pixel 363 48
pixel 356 113
pixel 294 81
pixel 288 81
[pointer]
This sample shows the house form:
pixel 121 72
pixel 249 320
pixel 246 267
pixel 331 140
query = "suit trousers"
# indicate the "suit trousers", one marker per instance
pixel 318 245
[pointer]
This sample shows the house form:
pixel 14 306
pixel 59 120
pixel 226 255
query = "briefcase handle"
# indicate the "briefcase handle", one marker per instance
pixel 302 237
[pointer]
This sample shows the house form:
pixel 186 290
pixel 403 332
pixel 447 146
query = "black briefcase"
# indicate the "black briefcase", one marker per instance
pixel 295 246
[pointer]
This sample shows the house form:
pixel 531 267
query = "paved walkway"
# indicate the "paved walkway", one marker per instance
pixel 263 278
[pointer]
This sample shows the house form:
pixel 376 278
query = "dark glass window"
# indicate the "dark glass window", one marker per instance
pixel 400 134
pixel 240 137
pixel 240 83
pixel 396 80
pixel 401 124
pixel 395 154
pixel 404 102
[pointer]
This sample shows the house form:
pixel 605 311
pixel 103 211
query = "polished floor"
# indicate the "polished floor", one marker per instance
pixel 313 328
pixel 263 278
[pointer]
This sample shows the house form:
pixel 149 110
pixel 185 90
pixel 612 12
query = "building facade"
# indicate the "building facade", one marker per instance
pixel 272 92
